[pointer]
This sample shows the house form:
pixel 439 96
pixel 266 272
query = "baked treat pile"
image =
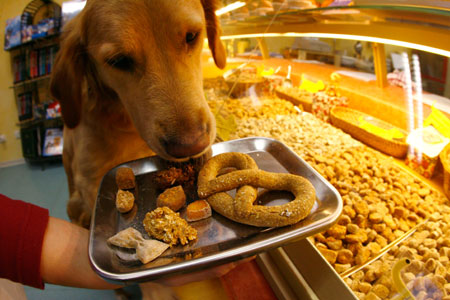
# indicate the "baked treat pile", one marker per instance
pixel 166 225
pixel 382 202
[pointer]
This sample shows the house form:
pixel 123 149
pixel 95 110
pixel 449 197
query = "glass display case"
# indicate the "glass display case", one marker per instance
pixel 360 90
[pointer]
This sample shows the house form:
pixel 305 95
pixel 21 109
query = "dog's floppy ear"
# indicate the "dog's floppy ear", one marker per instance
pixel 68 73
pixel 213 32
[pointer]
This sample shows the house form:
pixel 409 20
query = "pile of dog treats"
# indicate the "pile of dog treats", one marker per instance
pixel 382 202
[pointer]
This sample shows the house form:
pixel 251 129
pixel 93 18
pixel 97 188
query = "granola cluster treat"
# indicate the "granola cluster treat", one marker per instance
pixel 166 225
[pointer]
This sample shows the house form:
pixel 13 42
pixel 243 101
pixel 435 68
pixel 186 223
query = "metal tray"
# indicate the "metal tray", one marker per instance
pixel 220 240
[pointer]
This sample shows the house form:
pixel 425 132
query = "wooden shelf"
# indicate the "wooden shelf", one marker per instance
pixel 35 41
pixel 56 122
pixel 28 81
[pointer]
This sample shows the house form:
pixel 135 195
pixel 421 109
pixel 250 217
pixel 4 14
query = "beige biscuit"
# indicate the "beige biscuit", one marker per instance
pixel 241 209
pixel 213 166
pixel 124 201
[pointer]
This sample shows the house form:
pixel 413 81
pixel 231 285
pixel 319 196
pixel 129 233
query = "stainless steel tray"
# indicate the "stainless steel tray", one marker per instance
pixel 220 240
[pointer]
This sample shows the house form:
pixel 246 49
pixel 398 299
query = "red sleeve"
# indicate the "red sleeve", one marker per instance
pixel 22 228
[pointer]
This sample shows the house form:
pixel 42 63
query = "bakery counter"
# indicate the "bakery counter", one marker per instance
pixel 384 203
pixel 388 104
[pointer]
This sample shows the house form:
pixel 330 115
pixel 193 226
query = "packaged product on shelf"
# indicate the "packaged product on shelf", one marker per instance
pixel 311 86
pixel 425 145
pixel 439 121
pixel 27 33
pixel 12 33
pixel 25 106
pixel 272 82
pixel 52 26
pixel 53 142
pixel 53 110
pixel 41 29
pixel 19 68
pixel 45 27
pixel 336 3
pixel 324 101
pixel 39 111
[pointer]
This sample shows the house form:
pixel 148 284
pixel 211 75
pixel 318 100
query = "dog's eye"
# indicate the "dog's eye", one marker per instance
pixel 121 62
pixel 191 37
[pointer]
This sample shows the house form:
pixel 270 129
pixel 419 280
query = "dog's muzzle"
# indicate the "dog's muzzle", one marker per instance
pixel 187 146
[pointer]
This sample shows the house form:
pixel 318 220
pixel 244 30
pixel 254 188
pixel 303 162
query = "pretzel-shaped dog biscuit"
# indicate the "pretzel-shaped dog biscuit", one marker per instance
pixel 212 167
pixel 241 209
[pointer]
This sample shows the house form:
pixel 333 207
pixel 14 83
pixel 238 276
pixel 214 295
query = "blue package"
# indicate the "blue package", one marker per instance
pixel 41 29
pixel 37 31
pixel 12 33
pixel 27 33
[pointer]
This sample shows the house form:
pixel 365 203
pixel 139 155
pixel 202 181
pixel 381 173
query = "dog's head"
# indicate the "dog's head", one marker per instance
pixel 144 57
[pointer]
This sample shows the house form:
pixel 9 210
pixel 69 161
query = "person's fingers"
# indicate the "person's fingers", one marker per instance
pixel 203 274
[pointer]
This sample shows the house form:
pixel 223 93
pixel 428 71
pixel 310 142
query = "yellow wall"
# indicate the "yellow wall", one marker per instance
pixel 12 149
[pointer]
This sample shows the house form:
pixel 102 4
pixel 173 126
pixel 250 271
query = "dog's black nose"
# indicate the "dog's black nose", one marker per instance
pixel 187 146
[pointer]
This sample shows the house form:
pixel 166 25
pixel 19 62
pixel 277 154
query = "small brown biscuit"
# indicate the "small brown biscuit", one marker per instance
pixel 174 198
pixel 198 210
pixel 125 178
pixel 124 201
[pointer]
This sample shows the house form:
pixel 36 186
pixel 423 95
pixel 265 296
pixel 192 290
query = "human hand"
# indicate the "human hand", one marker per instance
pixel 210 273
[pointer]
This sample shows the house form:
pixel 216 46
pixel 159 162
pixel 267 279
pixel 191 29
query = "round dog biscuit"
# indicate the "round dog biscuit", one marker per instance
pixel 125 178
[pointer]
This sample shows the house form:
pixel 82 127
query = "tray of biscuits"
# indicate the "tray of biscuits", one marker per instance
pixel 154 219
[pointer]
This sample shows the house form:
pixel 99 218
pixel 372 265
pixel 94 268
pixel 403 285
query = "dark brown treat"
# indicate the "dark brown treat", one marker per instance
pixel 125 178
pixel 166 178
pixel 188 175
pixel 174 198
pixel 185 176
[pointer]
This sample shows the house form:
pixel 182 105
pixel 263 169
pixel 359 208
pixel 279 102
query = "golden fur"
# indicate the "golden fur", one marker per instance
pixel 129 80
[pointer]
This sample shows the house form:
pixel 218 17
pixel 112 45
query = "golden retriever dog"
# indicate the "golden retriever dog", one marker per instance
pixel 129 79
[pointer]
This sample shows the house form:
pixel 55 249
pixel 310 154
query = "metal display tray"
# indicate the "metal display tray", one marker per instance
pixel 220 240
